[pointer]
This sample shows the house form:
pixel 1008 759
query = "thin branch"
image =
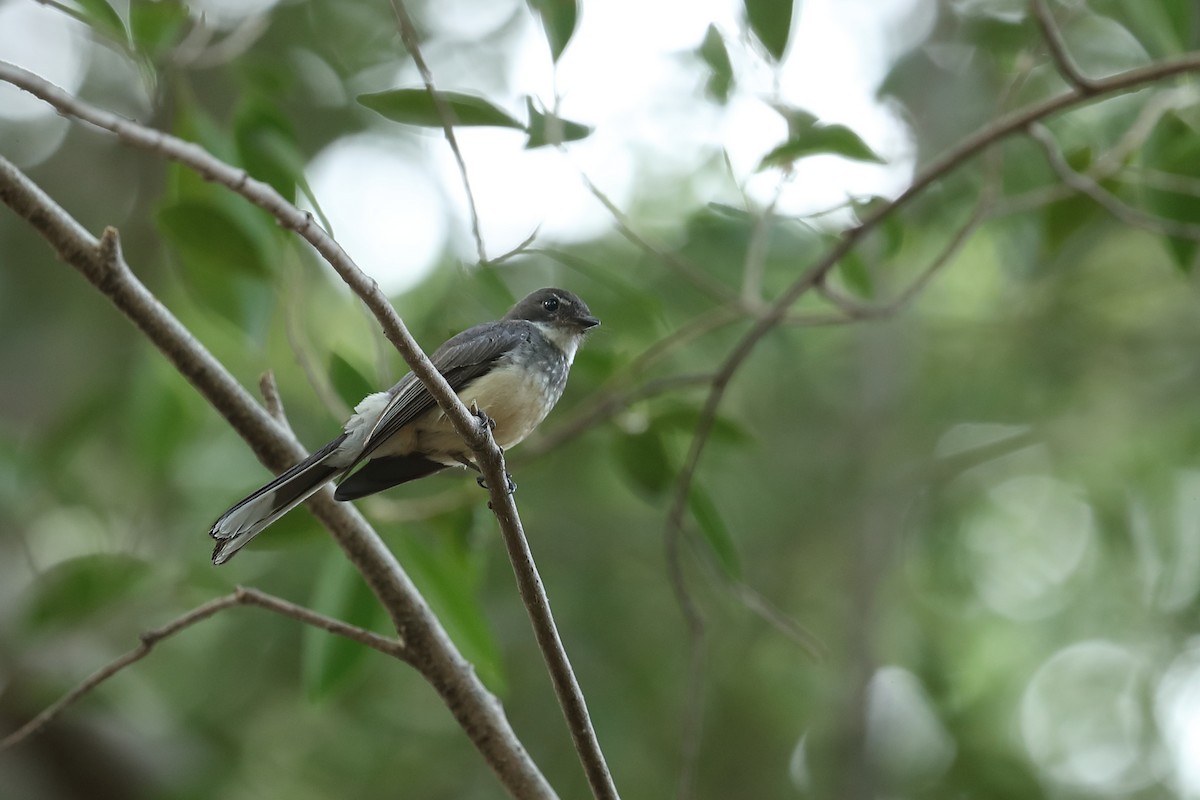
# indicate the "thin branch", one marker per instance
pixel 151 638
pixel 755 262
pixel 408 35
pixel 690 272
pixel 269 390
pixel 148 640
pixel 854 310
pixel 533 593
pixel 432 652
pixel 1058 50
pixel 1085 185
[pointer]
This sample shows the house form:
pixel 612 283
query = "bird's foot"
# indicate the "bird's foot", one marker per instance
pixel 482 415
pixel 512 487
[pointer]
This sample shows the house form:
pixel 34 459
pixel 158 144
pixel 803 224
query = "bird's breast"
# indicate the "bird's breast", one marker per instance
pixel 517 397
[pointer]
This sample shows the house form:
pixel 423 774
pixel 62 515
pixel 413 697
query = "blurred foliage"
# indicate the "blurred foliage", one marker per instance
pixel 985 506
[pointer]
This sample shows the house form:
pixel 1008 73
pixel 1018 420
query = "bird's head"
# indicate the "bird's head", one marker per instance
pixel 555 308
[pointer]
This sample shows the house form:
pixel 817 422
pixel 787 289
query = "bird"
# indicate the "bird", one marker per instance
pixel 513 369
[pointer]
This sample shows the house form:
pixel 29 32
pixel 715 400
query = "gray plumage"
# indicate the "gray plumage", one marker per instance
pixel 513 369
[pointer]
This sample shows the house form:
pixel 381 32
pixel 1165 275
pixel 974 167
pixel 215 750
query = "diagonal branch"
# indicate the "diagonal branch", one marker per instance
pixel 148 640
pixel 408 35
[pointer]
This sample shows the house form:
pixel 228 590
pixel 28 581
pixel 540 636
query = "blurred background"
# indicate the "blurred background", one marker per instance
pixel 942 547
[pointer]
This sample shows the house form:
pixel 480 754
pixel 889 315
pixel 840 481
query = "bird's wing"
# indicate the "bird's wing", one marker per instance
pixel 461 360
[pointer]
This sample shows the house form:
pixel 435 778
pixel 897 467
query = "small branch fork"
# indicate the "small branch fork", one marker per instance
pixel 239 597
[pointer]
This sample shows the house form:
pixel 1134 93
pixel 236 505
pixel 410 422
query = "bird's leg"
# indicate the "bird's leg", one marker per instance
pixel 469 464
pixel 484 419
pixel 512 487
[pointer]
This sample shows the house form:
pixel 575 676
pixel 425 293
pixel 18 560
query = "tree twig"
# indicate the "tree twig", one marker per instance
pixel 690 272
pixel 270 395
pixel 408 35
pixel 1087 186
pixel 147 641
pixel 1058 50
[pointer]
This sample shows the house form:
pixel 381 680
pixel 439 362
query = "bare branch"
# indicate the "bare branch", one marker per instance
pixel 408 35
pixel 755 262
pixel 151 638
pixel 270 394
pixel 690 272
pixel 1085 185
pixel 1058 50
pixel 533 593
pixel 148 640
pixel 431 651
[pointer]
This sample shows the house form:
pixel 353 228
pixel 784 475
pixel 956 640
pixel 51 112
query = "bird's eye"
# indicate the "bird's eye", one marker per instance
pixel 550 304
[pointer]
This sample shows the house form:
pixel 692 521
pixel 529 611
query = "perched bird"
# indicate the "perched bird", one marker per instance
pixel 514 370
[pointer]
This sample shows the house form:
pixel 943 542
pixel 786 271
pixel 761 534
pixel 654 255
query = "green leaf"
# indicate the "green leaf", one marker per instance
pixel 714 54
pixel 328 661
pixel 209 238
pixel 683 418
pixel 559 18
pixel 157 25
pixel 1174 147
pixel 266 146
pixel 771 23
pixel 854 273
pixel 78 588
pixel 223 257
pixel 101 16
pixel 350 384
pixel 417 107
pixel 446 575
pixel 714 531
pixel 545 128
pixel 644 460
pixel 818 139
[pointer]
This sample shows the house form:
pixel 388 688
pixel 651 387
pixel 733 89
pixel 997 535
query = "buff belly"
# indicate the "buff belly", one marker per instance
pixel 514 400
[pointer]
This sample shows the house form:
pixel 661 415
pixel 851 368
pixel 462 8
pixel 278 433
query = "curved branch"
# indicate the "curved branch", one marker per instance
pixel 1058 50
pixel 148 640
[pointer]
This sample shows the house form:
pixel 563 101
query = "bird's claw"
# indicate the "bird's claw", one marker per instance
pixel 482 415
pixel 512 487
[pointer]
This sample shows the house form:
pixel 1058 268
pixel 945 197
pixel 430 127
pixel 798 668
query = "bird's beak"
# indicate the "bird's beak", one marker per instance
pixel 588 322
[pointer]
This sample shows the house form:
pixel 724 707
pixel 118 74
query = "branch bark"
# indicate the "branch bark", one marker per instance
pixel 240 597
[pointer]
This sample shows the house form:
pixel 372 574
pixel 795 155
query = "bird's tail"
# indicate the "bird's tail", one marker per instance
pixel 248 517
